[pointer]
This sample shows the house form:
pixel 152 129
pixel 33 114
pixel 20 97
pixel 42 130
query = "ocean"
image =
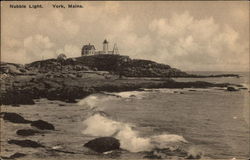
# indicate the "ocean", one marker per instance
pixel 165 123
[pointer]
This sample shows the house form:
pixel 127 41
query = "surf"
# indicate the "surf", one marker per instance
pixel 130 139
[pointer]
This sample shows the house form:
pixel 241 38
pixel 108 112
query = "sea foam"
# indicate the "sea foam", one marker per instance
pixel 94 100
pixel 130 94
pixel 130 139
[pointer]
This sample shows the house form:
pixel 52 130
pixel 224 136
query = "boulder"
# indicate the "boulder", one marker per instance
pixel 243 88
pixel 26 132
pixel 14 118
pixel 232 89
pixel 43 125
pixel 198 156
pixel 17 155
pixel 103 144
pixel 164 153
pixel 25 143
pixel 14 156
pixel 14 98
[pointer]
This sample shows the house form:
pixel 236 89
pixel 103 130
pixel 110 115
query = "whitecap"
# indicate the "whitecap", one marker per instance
pixel 130 139
pixel 94 100
pixel 167 140
pixel 98 125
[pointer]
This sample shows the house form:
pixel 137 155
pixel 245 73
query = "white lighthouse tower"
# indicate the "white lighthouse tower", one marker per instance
pixel 105 46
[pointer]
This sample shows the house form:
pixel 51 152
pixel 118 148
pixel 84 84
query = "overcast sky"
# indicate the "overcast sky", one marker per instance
pixel 196 36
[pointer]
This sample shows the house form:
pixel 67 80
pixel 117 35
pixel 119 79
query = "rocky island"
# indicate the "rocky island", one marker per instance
pixel 68 79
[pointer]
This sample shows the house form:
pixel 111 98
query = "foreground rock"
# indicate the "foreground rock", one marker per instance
pixel 165 153
pixel 26 143
pixel 16 97
pixel 43 125
pixel 15 155
pixel 103 144
pixel 26 132
pixel 195 156
pixel 232 89
pixel 14 118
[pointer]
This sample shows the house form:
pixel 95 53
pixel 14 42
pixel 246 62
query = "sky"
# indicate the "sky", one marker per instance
pixel 188 35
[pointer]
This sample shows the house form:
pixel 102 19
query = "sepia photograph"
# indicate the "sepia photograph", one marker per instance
pixel 127 80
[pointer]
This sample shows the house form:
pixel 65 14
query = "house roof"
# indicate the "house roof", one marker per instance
pixel 88 47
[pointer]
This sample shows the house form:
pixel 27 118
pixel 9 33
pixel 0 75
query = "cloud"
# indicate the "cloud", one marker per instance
pixel 34 35
pixel 37 42
pixel 30 49
pixel 186 42
pixel 69 50
pixel 129 42
pixel 55 24
pixel 182 39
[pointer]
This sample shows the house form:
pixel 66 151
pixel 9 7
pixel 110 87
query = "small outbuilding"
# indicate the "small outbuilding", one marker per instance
pixel 61 57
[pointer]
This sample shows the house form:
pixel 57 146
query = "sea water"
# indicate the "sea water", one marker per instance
pixel 213 123
pixel 207 123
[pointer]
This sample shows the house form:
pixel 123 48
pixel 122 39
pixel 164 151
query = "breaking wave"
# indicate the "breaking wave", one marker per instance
pixel 94 100
pixel 130 94
pixel 130 139
pixel 144 93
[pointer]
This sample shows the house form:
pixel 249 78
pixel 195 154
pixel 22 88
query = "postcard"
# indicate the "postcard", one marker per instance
pixel 124 80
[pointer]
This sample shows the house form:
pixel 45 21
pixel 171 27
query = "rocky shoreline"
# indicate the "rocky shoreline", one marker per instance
pixel 67 81
pixel 75 78
pixel 24 89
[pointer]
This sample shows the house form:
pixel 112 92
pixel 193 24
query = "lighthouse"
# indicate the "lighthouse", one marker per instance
pixel 105 46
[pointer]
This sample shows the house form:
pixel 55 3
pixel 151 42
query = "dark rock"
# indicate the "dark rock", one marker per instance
pixel 71 75
pixel 238 85
pixel 57 150
pixel 43 125
pixel 132 96
pixel 26 132
pixel 22 70
pixel 103 144
pixel 194 156
pixel 14 98
pixel 232 89
pixel 13 156
pixel 158 153
pixel 192 90
pixel 115 154
pixel 243 88
pixel 14 118
pixel 15 105
pixel 17 155
pixel 25 143
pixel 152 156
